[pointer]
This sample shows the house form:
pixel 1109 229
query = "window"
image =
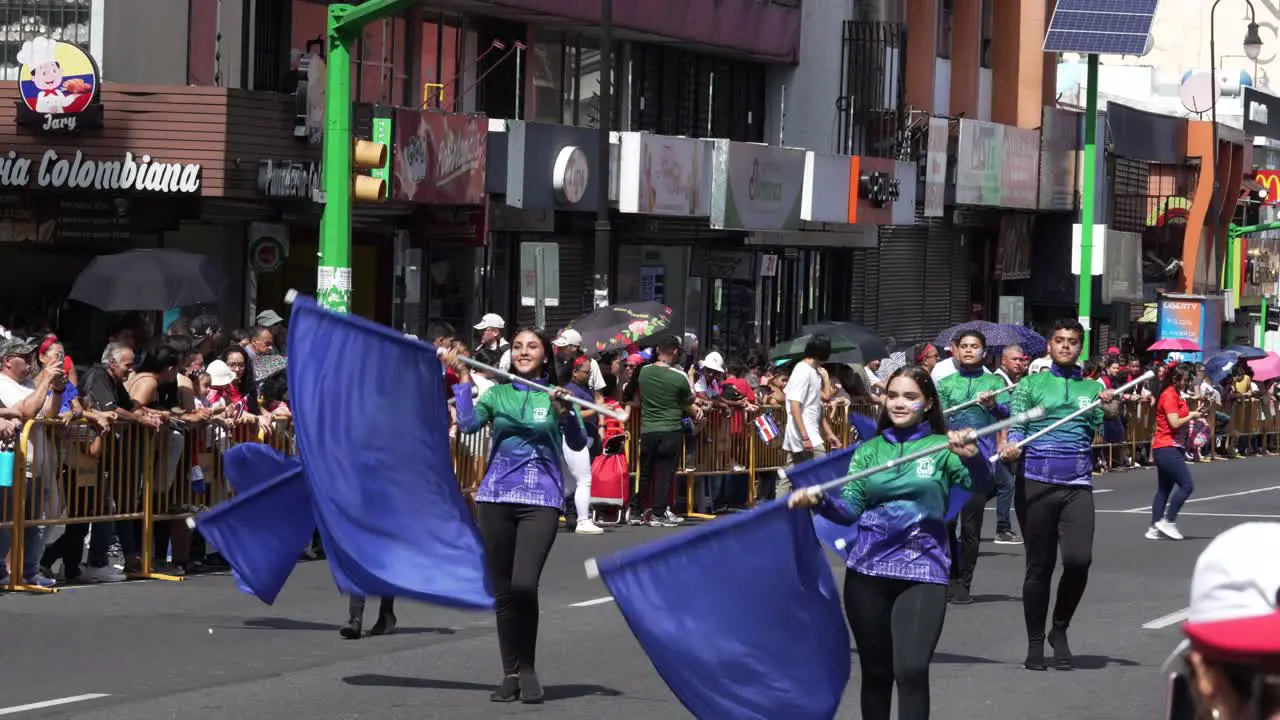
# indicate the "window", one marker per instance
pixel 66 20
pixel 988 32
pixel 546 91
pixel 946 17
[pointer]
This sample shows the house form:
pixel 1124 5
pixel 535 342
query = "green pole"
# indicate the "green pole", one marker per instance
pixel 333 275
pixel 1087 200
pixel 1262 325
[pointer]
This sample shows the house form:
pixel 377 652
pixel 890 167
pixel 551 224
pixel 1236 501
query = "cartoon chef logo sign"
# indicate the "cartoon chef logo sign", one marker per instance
pixel 59 83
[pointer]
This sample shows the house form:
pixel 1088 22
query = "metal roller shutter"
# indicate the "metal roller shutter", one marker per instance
pixel 575 285
pixel 902 254
pixel 865 294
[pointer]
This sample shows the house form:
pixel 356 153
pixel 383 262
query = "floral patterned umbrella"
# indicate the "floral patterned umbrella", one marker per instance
pixel 617 326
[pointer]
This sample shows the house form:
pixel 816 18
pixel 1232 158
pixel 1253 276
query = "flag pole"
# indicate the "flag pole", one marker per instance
pixel 1087 408
pixel 975 401
pixel 292 295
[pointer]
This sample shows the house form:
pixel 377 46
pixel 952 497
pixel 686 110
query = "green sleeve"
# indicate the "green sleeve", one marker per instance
pixel 1020 403
pixel 946 387
pixel 957 475
pixel 855 491
pixel 1096 416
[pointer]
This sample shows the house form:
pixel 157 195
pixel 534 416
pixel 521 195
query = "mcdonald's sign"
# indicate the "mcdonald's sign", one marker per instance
pixel 1270 181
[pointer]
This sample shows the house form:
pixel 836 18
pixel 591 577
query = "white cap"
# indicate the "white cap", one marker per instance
pixel 1234 594
pixel 491 321
pixel 713 361
pixel 568 337
pixel 38 51
pixel 220 374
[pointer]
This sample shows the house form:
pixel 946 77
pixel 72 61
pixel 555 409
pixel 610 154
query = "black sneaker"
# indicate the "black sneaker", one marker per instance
pixel 960 595
pixel 530 688
pixel 1008 538
pixel 1035 656
pixel 1062 657
pixel 508 690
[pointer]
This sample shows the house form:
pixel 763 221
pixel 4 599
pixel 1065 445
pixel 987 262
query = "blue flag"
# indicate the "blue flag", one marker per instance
pixel 740 617
pixel 372 423
pixel 834 536
pixel 262 531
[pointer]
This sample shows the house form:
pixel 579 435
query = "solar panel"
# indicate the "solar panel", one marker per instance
pixel 1101 27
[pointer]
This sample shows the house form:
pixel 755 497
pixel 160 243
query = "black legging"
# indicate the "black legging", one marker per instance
pixel 517 541
pixel 896 625
pixel 1053 517
pixel 964 551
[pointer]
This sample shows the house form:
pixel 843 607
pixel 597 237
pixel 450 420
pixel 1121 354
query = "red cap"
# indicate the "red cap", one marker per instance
pixel 1113 350
pixel 635 359
pixel 1250 637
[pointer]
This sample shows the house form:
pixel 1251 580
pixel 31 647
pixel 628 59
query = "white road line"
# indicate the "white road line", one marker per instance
pixel 1230 515
pixel 1218 497
pixel 1165 621
pixel 51 703
pixel 589 603
pixel 1104 490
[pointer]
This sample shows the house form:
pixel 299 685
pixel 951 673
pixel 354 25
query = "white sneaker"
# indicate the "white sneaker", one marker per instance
pixel 586 527
pixel 1169 529
pixel 106 574
pixel 1154 534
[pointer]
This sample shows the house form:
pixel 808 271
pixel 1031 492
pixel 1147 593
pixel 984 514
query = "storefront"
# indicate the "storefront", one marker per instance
pixel 89 170
pixel 667 251
pixel 997 197
pixel 542 172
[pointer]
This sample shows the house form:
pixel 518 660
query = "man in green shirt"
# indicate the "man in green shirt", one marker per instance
pixel 665 399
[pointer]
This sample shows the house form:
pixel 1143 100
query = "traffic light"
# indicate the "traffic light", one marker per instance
pixel 371 157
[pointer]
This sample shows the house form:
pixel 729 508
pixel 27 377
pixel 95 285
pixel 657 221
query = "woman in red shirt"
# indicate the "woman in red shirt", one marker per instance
pixel 1171 462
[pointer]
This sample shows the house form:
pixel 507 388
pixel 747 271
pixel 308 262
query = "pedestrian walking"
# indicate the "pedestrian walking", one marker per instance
pixel 1054 489
pixel 1173 478
pixel 895 587
pixel 385 625
pixel 519 501
pixel 971 381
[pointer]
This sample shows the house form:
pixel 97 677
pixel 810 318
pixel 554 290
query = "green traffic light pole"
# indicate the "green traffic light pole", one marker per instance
pixel 1087 204
pixel 1233 270
pixel 333 276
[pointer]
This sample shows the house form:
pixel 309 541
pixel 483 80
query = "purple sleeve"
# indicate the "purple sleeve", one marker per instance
pixel 469 420
pixel 1001 412
pixel 837 510
pixel 575 435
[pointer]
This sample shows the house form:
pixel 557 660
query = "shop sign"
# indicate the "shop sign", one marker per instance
pixel 440 158
pixel 1189 317
pixel 268 247
pixel 1059 146
pixel 1020 168
pixel 979 170
pixel 661 175
pixel 59 86
pixel 756 187
pixel 1270 182
pixel 553 167
pixel 289 180
pixel 873 189
pixel 79 173
pixel 935 172
pixel 826 188
pixel 723 264
pixel 569 175
pixel 1261 113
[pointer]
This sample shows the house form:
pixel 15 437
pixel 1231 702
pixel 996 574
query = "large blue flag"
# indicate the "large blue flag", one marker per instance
pixel 834 536
pixel 740 617
pixel 262 531
pixel 372 424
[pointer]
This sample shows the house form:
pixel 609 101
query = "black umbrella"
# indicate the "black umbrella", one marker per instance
pixel 617 326
pixel 845 335
pixel 156 279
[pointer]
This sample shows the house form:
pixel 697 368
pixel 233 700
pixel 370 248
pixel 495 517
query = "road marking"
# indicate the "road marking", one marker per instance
pixel 1230 515
pixel 1217 497
pixel 51 703
pixel 1165 621
pixel 1106 490
pixel 589 603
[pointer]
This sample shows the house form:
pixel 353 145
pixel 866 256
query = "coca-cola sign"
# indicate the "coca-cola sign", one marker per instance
pixel 439 158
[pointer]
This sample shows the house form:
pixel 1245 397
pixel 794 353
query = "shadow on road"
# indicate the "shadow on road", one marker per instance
pixel 994 597
pixel 270 623
pixel 1098 662
pixel 553 692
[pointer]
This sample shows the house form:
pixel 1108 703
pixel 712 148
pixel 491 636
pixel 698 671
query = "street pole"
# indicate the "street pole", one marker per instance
pixel 333 274
pixel 344 25
pixel 1087 203
pixel 603 232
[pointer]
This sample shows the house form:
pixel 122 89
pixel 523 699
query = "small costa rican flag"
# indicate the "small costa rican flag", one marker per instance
pixel 767 428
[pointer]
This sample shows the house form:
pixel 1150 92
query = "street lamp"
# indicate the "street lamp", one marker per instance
pixel 1252 46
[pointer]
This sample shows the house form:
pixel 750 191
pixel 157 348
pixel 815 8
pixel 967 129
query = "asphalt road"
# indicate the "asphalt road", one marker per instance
pixel 199 649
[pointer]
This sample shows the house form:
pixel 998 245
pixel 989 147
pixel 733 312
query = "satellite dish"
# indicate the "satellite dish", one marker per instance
pixel 1199 92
